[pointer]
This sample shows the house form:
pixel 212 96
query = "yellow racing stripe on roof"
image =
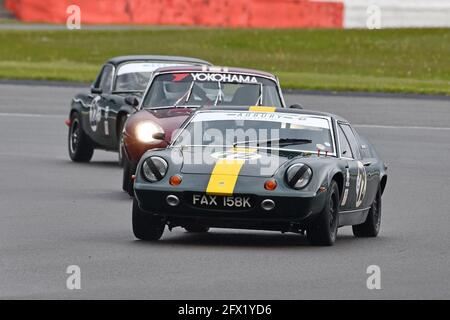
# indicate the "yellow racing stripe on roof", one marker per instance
pixel 224 176
pixel 262 109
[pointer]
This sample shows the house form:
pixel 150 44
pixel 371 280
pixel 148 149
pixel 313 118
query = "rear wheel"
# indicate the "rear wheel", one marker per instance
pixel 196 228
pixel 80 149
pixel 129 170
pixel 146 226
pixel 323 230
pixel 371 226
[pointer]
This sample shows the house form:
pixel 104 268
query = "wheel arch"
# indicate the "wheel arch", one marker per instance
pixel 383 182
pixel 120 115
pixel 339 178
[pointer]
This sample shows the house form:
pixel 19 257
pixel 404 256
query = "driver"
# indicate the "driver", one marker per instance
pixel 173 91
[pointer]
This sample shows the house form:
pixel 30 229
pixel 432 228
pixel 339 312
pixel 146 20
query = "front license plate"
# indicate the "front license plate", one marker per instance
pixel 221 202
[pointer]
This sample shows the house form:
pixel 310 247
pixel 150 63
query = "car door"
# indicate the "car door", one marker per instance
pixel 355 177
pixel 96 119
pixel 372 165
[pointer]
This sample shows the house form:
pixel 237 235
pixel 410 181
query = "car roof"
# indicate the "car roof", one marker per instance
pixel 135 58
pixel 283 110
pixel 217 69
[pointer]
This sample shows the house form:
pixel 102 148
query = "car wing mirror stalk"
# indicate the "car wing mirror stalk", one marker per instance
pixel 132 101
pixel 95 90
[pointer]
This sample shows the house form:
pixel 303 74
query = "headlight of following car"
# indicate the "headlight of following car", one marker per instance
pixel 298 175
pixel 145 131
pixel 154 168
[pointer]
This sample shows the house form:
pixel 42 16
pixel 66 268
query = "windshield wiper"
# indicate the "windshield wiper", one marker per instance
pixel 219 94
pixel 185 96
pixel 260 98
pixel 281 141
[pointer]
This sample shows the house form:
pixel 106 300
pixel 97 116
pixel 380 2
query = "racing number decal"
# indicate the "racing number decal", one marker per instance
pixel 361 184
pixel 95 113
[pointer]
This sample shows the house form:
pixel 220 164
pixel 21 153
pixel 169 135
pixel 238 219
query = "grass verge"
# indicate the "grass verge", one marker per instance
pixel 393 60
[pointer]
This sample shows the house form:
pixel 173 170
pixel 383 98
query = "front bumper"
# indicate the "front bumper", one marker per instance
pixel 298 209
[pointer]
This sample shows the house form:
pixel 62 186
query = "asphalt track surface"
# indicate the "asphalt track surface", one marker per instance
pixel 55 213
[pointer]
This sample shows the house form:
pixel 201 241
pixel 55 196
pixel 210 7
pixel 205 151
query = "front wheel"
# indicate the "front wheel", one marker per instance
pixel 323 230
pixel 80 149
pixel 371 226
pixel 146 226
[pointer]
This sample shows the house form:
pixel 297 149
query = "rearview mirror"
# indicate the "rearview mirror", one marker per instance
pixel 296 106
pixel 132 101
pixel 95 90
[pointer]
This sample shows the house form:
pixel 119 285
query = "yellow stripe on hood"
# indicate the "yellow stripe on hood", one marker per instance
pixel 224 176
pixel 262 109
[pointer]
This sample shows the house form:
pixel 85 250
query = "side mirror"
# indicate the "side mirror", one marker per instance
pixel 132 101
pixel 295 106
pixel 95 90
pixel 159 136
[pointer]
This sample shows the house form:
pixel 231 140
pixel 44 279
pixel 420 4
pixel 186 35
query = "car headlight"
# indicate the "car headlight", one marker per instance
pixel 154 168
pixel 298 175
pixel 145 131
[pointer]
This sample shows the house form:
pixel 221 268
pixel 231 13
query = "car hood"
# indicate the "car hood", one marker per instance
pixel 232 161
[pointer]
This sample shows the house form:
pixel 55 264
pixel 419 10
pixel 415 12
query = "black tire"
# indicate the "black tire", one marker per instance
pixel 129 170
pixel 196 228
pixel 370 227
pixel 79 146
pixel 323 231
pixel 121 154
pixel 145 225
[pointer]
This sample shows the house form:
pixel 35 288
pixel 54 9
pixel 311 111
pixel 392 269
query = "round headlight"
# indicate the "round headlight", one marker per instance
pixel 298 175
pixel 145 131
pixel 154 168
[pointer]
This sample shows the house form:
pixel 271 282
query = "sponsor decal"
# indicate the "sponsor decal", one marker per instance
pixel 180 76
pixel 223 77
pixel 347 185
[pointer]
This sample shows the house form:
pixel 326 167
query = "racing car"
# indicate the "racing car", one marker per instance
pixel 175 92
pixel 96 119
pixel 262 168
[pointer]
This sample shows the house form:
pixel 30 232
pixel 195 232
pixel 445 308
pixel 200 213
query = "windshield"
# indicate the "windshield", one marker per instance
pixel 134 76
pixel 265 130
pixel 176 89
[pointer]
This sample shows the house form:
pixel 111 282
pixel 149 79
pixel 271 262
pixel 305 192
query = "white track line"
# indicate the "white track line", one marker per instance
pixel 30 115
pixel 37 115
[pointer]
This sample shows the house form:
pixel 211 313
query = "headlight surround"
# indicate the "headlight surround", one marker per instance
pixel 298 175
pixel 154 168
pixel 145 131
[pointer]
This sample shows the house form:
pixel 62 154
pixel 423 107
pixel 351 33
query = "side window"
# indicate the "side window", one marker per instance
pixel 346 151
pixel 351 139
pixel 105 80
